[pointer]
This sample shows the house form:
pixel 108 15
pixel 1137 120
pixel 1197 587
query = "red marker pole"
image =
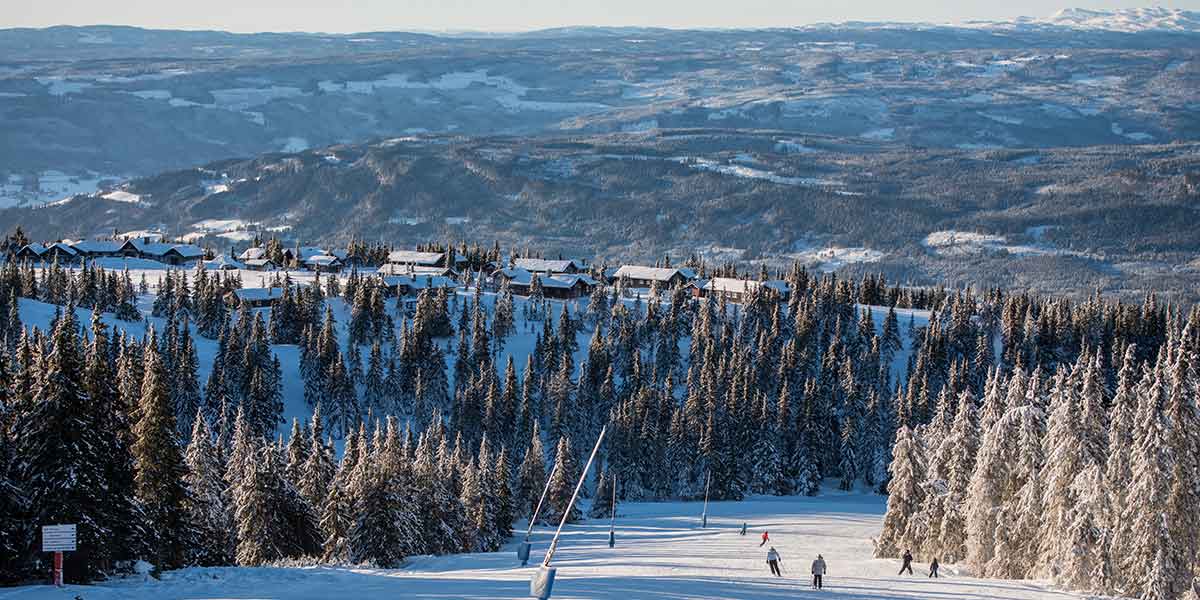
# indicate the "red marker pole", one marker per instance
pixel 58 569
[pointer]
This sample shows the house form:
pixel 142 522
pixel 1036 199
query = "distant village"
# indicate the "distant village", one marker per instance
pixel 405 273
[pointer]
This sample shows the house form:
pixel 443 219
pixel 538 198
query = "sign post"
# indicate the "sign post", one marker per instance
pixel 58 539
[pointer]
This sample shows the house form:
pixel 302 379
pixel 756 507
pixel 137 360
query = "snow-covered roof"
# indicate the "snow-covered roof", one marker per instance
pixel 306 252
pixel 398 269
pixel 259 262
pixel 727 284
pixel 253 253
pixel 259 294
pixel 322 260
pixel 35 248
pixel 161 249
pixel 523 277
pixel 651 273
pixel 97 246
pixel 63 247
pixel 412 257
pixel 420 282
pixel 222 262
pixel 542 265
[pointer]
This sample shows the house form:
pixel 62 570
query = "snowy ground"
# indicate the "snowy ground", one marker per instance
pixel 661 552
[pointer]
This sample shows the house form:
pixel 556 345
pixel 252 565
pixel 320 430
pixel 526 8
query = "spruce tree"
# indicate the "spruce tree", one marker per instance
pixel 562 484
pixel 159 474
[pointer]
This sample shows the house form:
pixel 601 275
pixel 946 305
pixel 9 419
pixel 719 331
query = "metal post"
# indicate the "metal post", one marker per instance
pixel 58 569
pixel 704 515
pixel 571 504
pixel 612 524
pixel 523 550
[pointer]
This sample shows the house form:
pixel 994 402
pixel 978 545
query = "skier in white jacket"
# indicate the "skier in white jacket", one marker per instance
pixel 773 561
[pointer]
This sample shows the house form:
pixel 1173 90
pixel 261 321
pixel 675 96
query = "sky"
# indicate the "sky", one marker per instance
pixel 343 16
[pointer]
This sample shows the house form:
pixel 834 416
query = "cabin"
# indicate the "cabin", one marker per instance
pixel 416 271
pixel 417 259
pixel 56 252
pixel 549 267
pixel 223 263
pixel 644 277
pixel 404 285
pixel 323 263
pixel 558 287
pixel 738 290
pixel 254 253
pixel 261 264
pixel 254 297
pixel 167 253
pixel 98 248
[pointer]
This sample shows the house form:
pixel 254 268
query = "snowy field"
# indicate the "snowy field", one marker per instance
pixel 661 552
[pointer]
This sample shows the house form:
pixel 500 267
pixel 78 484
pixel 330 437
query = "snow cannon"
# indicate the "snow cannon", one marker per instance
pixel 523 553
pixel 542 583
pixel 612 538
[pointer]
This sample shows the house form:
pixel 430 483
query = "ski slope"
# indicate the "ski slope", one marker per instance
pixel 661 553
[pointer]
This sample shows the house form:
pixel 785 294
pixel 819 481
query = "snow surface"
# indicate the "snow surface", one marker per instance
pixel 661 552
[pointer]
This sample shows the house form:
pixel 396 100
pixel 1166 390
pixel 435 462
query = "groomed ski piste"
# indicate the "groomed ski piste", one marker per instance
pixel 661 552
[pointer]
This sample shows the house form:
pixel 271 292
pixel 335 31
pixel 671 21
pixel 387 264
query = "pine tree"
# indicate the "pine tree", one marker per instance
pixel 205 506
pixel 904 497
pixel 159 474
pixel 531 477
pixel 562 484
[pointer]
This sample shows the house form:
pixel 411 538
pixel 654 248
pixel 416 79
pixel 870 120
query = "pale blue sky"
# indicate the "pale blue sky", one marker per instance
pixel 516 15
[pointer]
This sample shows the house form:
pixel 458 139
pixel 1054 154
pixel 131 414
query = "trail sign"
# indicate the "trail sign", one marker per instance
pixel 58 538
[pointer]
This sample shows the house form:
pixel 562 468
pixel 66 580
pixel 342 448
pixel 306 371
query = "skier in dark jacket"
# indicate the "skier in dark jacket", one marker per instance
pixel 743 529
pixel 907 566
pixel 933 568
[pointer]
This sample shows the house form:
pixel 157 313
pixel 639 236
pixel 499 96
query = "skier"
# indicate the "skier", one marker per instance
pixel 773 561
pixel 907 566
pixel 818 571
pixel 933 567
pixel 743 529
pixel 765 538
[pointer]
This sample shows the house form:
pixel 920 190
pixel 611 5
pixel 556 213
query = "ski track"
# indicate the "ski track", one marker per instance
pixel 661 552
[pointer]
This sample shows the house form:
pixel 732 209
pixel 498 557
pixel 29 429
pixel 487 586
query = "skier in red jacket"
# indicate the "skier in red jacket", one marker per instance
pixel 765 538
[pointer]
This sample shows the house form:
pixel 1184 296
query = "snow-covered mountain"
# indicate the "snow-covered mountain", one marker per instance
pixel 1125 20
pixel 1129 20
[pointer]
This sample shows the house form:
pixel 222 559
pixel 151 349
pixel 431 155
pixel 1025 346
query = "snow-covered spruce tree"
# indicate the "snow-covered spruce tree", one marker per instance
pixel 904 496
pixel 562 484
pixel 383 522
pixel 504 514
pixel 185 386
pixel 531 476
pixel 205 506
pixel 1183 514
pixel 317 471
pixel 1145 540
pixel 602 501
pixel 1117 471
pixel 958 456
pixel 158 458
pixel 375 398
pixel 58 464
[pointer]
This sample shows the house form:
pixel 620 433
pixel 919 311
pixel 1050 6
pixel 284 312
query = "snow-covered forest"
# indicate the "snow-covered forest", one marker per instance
pixel 1019 436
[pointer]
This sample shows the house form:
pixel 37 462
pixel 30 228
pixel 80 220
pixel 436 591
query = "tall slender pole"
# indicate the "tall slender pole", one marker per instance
pixel 704 515
pixel 538 510
pixel 571 504
pixel 612 524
